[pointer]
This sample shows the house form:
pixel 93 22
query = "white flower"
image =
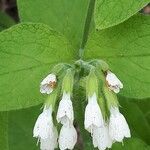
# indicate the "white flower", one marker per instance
pixel 44 124
pixel 65 113
pixel 67 137
pixel 113 82
pixel 93 115
pixel 101 138
pixel 51 142
pixel 118 127
pixel 48 84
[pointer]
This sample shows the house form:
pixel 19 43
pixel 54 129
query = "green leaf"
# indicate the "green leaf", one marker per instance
pixel 136 118
pixel 113 12
pixel 27 53
pixel 5 21
pixel 16 129
pixel 20 129
pixel 126 49
pixel 131 144
pixel 65 16
pixel 4 130
pixel 144 106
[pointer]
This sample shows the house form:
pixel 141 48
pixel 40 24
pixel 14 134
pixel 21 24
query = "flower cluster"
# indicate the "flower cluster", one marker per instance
pixel 102 119
pixel 105 130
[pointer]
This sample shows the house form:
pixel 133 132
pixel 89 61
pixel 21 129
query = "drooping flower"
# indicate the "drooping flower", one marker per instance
pixel 67 137
pixel 51 142
pixel 101 138
pixel 113 82
pixel 118 127
pixel 44 124
pixel 65 113
pixel 93 114
pixel 45 130
pixel 48 84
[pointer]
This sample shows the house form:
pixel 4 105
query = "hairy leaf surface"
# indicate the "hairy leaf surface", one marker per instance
pixel 112 12
pixel 126 49
pixel 27 53
pixel 65 16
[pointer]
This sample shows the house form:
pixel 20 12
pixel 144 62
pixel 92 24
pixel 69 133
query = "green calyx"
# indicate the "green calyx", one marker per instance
pixel 100 64
pixel 68 81
pixel 103 106
pixel 92 83
pixel 51 99
pixel 111 97
pixel 59 69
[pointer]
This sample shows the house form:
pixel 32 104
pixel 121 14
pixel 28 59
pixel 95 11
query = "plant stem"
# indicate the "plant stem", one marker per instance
pixel 87 27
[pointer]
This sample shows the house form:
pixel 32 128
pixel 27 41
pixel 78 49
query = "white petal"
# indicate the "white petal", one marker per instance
pixel 45 89
pixel 113 82
pixel 101 138
pixel 44 124
pixel 67 137
pixel 93 115
pixel 118 127
pixel 49 78
pixel 51 142
pixel 45 84
pixel 116 90
pixel 65 110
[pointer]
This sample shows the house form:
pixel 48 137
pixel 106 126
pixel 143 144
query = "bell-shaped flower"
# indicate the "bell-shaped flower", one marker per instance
pixel 65 113
pixel 101 138
pixel 118 127
pixel 93 114
pixel 48 84
pixel 44 124
pixel 113 82
pixel 67 137
pixel 51 142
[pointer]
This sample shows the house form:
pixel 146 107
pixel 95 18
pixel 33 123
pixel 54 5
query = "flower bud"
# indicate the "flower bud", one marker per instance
pixel 113 82
pixel 48 84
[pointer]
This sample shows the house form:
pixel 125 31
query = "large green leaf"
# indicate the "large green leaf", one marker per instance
pixel 144 106
pixel 71 17
pixel 4 130
pixel 27 52
pixel 16 129
pixel 20 129
pixel 112 12
pixel 136 118
pixel 66 16
pixel 126 49
pixel 5 21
